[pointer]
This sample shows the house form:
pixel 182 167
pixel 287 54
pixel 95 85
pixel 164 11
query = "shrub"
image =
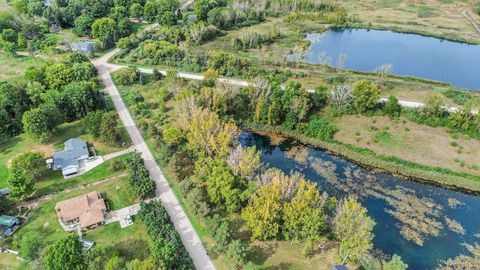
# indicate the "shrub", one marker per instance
pixel 320 129
pixel 126 76
pixel 236 254
pixel 365 95
pixel 392 108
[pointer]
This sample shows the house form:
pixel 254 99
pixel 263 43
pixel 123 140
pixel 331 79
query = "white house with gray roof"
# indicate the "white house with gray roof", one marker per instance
pixel 68 160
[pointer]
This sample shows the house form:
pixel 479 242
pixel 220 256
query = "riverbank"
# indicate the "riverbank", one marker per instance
pixel 442 177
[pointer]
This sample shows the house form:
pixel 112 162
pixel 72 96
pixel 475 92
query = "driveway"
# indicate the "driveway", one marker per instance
pixel 182 224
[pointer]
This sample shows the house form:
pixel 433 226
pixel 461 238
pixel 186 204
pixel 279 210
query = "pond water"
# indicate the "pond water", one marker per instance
pixel 415 55
pixel 422 223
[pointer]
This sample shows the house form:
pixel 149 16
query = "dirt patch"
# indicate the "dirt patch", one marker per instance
pixel 47 151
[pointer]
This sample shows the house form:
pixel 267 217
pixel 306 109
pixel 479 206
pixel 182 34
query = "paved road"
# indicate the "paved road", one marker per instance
pixel 184 227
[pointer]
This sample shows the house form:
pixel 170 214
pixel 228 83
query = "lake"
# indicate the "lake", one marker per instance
pixel 421 223
pixel 415 55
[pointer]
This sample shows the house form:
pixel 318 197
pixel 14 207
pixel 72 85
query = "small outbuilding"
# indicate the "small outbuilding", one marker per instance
pixel 83 46
pixel 8 224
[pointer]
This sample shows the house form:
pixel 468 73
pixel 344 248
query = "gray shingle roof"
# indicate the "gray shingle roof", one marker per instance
pixel 74 150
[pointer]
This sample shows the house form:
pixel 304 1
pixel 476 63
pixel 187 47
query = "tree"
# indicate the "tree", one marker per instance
pixel 92 122
pixel 65 253
pixel 83 25
pixel 104 29
pixel 108 129
pixel 244 162
pixel 341 98
pixel 147 264
pixel 57 76
pixel 14 101
pixel 39 123
pixel 30 245
pixel 127 76
pixel 115 263
pixel 9 35
pixel 433 107
pixel 150 11
pixel 320 129
pixel 136 10
pixel 383 72
pixel 304 216
pixel 21 6
pixel 236 254
pixel 353 229
pixel 392 107
pixel 395 263
pixel 172 136
pixel 30 163
pixel 365 94
pixel 263 213
pixel 80 98
pixel 21 184
pixel 222 236
pixel 201 8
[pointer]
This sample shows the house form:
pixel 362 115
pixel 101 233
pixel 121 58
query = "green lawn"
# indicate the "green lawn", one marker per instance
pixel 13 67
pixel 44 221
pixel 23 143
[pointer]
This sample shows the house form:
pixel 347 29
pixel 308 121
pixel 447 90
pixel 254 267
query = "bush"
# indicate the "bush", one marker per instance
pixel 320 129
pixel 235 254
pixel 392 108
pixel 126 76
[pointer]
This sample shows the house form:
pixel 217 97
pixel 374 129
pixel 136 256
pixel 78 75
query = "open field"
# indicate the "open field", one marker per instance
pixel 410 141
pixel 23 143
pixel 44 221
pixel 441 18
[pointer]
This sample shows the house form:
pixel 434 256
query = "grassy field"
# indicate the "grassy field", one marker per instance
pixel 13 67
pixel 44 221
pixel 410 141
pixel 23 143
pixel 441 18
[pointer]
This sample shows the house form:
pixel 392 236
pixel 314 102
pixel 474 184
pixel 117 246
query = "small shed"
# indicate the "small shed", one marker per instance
pixel 9 224
pixel 83 46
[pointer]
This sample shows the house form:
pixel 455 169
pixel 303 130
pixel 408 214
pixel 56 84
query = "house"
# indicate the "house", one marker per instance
pixel 339 267
pixel 8 224
pixel 4 192
pixel 68 160
pixel 83 47
pixel 87 210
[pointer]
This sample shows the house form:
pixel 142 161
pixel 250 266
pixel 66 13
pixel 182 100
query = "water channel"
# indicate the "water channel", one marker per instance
pixel 424 224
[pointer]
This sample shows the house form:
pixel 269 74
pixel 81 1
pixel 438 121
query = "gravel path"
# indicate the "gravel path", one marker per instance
pixel 184 227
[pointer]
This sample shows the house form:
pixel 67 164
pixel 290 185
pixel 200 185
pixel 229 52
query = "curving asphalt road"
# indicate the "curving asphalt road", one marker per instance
pixel 190 239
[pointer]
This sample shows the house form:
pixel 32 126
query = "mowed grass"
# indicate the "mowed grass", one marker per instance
pixel 404 139
pixel 45 223
pixel 24 143
pixel 13 67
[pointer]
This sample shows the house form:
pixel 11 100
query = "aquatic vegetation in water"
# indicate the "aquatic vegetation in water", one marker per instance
pixel 297 153
pixel 418 218
pixel 454 203
pixel 455 226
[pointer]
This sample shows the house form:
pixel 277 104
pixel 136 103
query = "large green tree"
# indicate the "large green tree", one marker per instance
pixel 263 214
pixel 365 95
pixel 104 29
pixel 65 253
pixel 353 229
pixel 304 215
pixel 108 129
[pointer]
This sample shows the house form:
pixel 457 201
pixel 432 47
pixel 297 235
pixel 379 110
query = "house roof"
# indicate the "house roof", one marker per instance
pixel 339 267
pixel 88 208
pixel 74 149
pixel 7 220
pixel 85 46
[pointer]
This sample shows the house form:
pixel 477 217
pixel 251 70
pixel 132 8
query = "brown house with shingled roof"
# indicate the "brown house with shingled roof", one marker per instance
pixel 87 210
